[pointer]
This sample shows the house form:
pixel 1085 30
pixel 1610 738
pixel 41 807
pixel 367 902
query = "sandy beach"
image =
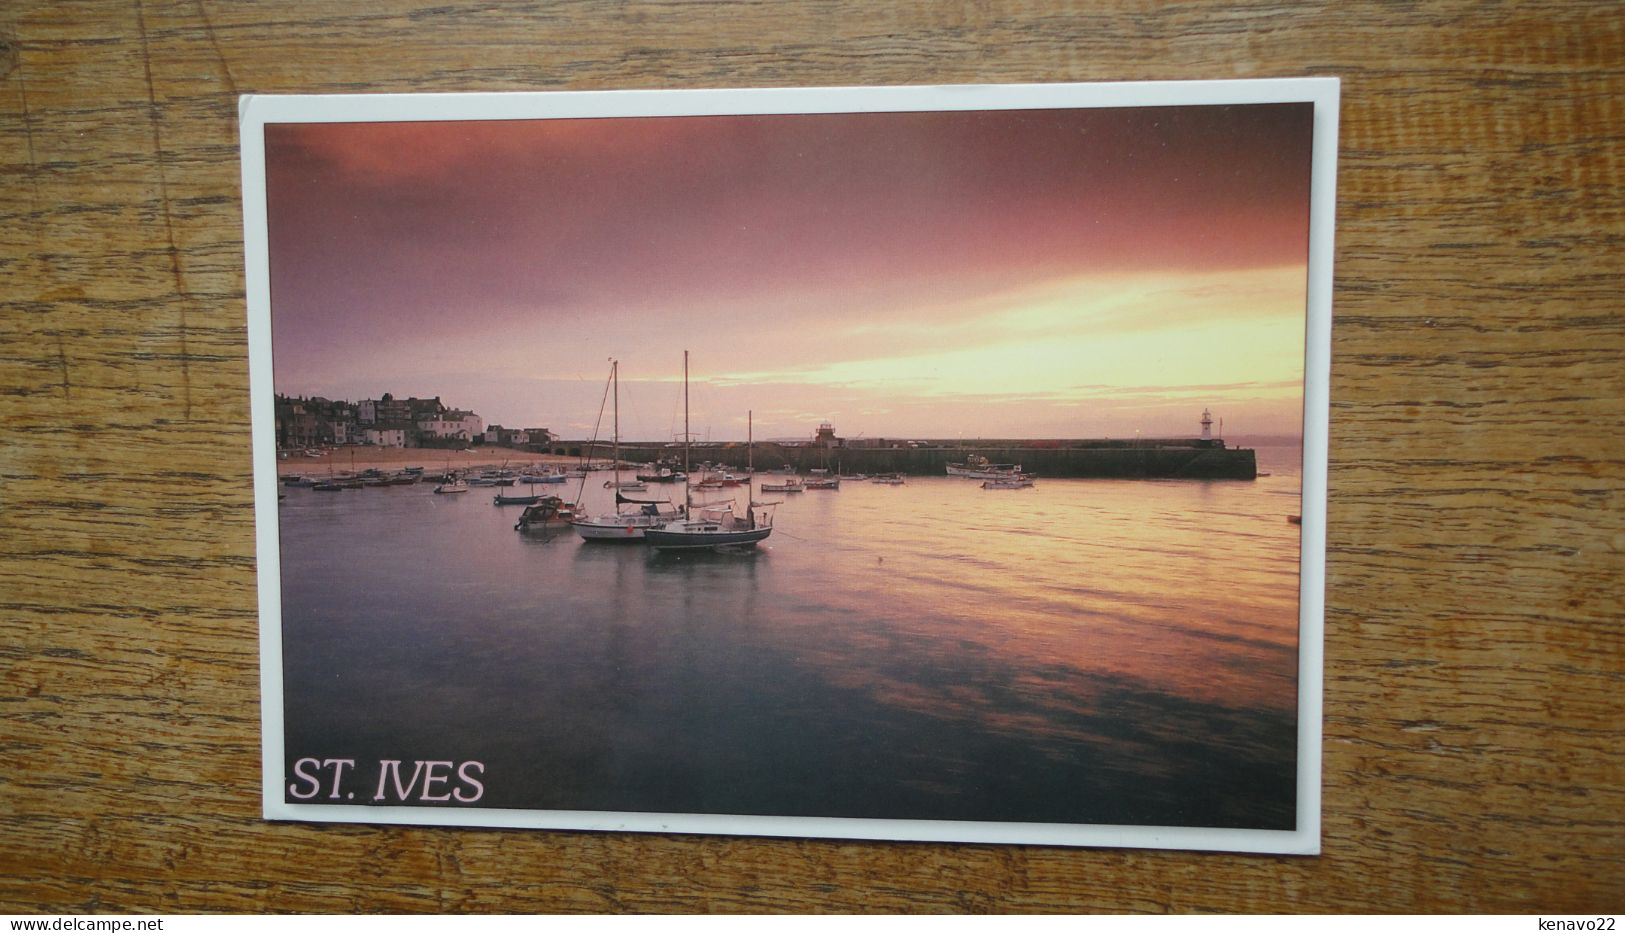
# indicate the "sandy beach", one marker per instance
pixel 432 460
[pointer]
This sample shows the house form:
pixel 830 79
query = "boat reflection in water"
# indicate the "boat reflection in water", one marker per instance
pixel 1089 651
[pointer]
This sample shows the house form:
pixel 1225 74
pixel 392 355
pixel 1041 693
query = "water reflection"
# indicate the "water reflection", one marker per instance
pixel 1086 651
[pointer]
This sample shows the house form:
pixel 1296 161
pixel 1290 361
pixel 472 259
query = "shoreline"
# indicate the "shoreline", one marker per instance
pixel 343 459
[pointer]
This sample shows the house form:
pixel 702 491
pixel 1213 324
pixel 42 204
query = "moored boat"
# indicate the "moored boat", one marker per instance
pixel 712 526
pixel 720 480
pixel 628 525
pixel 1018 482
pixel 978 467
pixel 549 512
pixel 622 525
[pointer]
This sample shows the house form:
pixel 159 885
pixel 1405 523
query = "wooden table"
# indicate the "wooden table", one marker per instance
pixel 1473 752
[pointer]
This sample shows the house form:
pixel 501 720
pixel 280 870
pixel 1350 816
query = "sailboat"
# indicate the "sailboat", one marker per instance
pixel 615 481
pixel 623 526
pixel 333 484
pixel 710 526
pixel 451 482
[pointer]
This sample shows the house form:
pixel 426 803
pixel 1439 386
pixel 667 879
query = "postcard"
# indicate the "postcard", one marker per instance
pixel 928 463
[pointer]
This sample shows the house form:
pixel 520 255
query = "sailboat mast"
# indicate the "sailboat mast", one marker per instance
pixel 615 464
pixel 750 442
pixel 688 498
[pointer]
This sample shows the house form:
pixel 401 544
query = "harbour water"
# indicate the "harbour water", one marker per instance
pixel 1084 651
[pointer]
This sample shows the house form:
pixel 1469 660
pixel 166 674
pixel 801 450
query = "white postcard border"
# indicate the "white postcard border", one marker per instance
pixel 255 111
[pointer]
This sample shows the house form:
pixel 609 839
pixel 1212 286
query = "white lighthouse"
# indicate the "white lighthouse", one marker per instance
pixel 1207 425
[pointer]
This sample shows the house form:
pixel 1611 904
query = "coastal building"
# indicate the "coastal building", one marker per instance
pixel 384 437
pixel 312 422
pixel 453 424
pixel 296 428
pixel 388 409
pixel 507 437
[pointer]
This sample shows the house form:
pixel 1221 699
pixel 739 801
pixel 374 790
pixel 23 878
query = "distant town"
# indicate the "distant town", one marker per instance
pixel 388 421
pixel 311 424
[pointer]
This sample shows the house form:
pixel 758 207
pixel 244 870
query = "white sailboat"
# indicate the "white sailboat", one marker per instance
pixel 622 525
pixel 711 526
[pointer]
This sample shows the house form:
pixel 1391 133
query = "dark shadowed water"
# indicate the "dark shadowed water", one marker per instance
pixel 1086 651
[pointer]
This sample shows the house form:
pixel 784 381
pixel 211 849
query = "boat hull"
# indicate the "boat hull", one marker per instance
pixel 1008 484
pixel 982 474
pixel 663 540
pixel 610 532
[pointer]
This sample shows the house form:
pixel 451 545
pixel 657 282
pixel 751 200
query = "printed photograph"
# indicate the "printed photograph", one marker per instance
pixel 937 465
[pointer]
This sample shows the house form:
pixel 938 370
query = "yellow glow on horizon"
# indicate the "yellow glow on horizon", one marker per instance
pixel 1081 337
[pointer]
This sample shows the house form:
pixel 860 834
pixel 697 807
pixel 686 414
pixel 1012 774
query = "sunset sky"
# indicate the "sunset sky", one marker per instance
pixel 1042 273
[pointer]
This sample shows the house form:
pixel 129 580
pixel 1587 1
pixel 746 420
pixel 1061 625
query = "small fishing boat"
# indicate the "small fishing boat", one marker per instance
pixel 978 467
pixel 888 479
pixel 720 480
pixel 789 485
pixel 452 486
pixel 491 481
pixel 500 499
pixel 822 482
pixel 549 512
pixel 1020 482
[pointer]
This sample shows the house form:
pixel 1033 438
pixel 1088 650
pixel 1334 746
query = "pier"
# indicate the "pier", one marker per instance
pixel 1167 458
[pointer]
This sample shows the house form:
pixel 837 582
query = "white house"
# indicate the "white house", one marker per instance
pixel 385 437
pixel 462 425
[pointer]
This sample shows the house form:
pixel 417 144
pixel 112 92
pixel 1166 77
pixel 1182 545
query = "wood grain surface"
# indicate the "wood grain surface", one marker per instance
pixel 1474 680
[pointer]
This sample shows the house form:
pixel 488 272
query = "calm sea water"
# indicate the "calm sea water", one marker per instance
pixel 1086 651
